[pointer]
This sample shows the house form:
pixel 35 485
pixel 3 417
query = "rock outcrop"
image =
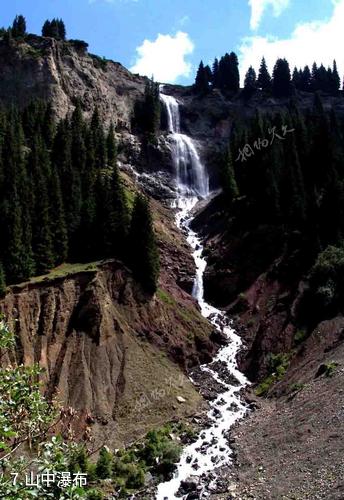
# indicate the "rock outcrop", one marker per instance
pixel 107 351
pixel 44 68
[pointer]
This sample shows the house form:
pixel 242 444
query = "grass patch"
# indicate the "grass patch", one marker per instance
pixel 166 297
pixel 330 369
pixel 62 271
pixel 278 365
pixel 130 196
pixel 297 386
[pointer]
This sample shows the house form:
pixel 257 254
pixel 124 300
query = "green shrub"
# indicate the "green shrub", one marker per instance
pixel 95 495
pixel 300 336
pixel 263 388
pixel 297 386
pixel 104 464
pixel 79 461
pixel 277 366
pixel 326 281
pixel 135 477
pixel 330 368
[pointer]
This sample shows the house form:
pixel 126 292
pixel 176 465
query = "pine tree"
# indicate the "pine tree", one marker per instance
pixel 58 219
pixel 234 76
pixel 281 79
pixel 2 281
pixel 42 225
pixel 215 72
pixel 314 77
pixel 90 236
pixel 335 80
pixel 142 246
pixel 296 79
pixel 264 78
pixel 250 84
pixel 19 27
pixel 148 112
pixel 230 187
pixel 111 147
pixel 202 80
pixel 46 29
pixel 305 80
pixel 70 178
pixel 62 29
pixel 104 464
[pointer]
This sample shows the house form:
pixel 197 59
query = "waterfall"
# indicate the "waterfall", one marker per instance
pixel 211 449
pixel 191 175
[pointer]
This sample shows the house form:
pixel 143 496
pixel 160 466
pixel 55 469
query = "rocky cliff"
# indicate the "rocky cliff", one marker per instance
pixel 62 72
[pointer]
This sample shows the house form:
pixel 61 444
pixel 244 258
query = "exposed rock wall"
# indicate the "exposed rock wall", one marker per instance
pixel 104 347
pixel 51 70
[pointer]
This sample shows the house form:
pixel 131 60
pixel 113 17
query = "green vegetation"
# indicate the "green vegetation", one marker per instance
pixel 99 62
pixel 297 386
pixel 147 112
pixel 330 368
pixel 27 422
pixel 277 367
pixel 62 197
pixel 165 297
pixel 144 257
pixel 326 282
pixel 54 29
pixel 224 75
pixel 18 29
pixel 300 336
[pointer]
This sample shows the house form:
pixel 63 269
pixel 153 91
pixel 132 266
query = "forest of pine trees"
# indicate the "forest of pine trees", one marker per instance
pixel 61 197
pixel 292 174
pixel 224 75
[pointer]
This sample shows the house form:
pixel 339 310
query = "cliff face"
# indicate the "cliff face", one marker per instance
pixel 108 352
pixel 47 69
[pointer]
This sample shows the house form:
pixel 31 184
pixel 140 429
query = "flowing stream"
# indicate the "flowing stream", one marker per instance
pixel 211 450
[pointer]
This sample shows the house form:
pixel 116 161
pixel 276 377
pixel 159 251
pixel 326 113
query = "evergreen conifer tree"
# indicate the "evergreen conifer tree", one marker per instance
pixel 230 187
pixel 215 72
pixel 142 246
pixel 250 84
pixel 305 80
pixel 281 79
pixel 2 281
pixel 42 225
pixel 264 78
pixel 19 27
pixel 234 76
pixel 202 79
pixel 46 29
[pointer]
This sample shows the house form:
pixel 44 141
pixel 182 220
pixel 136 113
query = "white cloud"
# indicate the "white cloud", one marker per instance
pixel 320 41
pixel 258 8
pixel 165 57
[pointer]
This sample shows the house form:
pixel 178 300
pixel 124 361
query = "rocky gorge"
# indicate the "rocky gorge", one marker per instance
pixel 91 328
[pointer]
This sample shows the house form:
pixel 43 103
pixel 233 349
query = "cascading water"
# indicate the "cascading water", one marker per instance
pixel 191 176
pixel 211 450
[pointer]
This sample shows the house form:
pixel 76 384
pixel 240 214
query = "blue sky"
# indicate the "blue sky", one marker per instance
pixel 168 38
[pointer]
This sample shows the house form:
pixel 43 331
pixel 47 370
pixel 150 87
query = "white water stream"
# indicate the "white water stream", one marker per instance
pixel 211 450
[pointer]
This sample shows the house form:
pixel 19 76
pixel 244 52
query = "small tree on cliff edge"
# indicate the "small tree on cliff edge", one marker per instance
pixel 19 27
pixel 144 257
